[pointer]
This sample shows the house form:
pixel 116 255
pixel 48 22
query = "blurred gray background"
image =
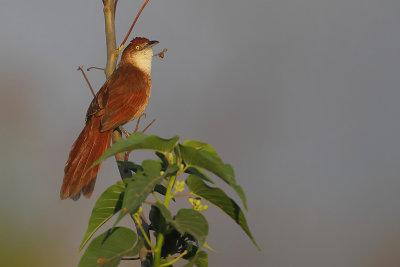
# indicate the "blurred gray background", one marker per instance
pixel 300 96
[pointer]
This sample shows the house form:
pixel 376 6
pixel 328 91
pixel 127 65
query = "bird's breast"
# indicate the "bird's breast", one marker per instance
pixel 141 102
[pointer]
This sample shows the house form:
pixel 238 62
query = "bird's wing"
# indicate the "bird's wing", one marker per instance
pixel 127 96
pixel 99 102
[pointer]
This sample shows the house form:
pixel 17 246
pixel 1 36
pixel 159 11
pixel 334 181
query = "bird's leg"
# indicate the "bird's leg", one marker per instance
pixel 126 133
pixel 136 129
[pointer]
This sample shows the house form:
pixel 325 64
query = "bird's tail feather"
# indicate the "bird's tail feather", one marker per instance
pixel 89 146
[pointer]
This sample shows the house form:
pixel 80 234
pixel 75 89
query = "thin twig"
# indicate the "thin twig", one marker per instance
pixel 138 121
pixel 93 67
pixel 175 260
pixel 147 127
pixel 183 195
pixel 156 197
pixel 139 223
pixel 134 22
pixel 84 75
pixel 161 54
pixel 127 155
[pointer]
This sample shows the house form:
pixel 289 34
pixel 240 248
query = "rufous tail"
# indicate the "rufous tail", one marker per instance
pixel 89 146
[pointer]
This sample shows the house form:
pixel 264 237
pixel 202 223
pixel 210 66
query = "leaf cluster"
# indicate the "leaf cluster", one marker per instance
pixel 179 236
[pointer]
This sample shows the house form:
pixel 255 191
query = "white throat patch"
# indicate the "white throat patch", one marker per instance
pixel 142 60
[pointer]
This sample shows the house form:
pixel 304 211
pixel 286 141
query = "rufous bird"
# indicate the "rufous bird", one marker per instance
pixel 122 98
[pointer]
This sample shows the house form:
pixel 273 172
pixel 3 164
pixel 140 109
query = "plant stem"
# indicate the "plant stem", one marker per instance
pixel 183 195
pixel 168 195
pixel 157 251
pixel 174 260
pixel 160 237
pixel 139 223
pixel 156 197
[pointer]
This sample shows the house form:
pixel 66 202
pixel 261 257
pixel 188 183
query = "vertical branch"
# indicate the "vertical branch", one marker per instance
pixel 112 52
pixel 112 57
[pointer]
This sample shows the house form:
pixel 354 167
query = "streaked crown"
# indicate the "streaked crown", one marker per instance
pixel 136 45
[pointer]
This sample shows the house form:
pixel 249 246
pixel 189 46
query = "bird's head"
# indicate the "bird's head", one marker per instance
pixel 139 53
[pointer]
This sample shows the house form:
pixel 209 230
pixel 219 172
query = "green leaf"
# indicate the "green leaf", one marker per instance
pixel 107 249
pixel 139 141
pixel 130 166
pixel 141 185
pixel 163 159
pixel 202 155
pixel 164 212
pixel 160 217
pixel 156 219
pixel 106 206
pixel 200 260
pixel 208 246
pixel 173 243
pixel 201 146
pixel 191 222
pixel 136 249
pixel 199 173
pixel 218 197
pixel 160 189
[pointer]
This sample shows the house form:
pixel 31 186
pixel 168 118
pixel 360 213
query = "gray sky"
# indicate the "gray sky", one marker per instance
pixel 300 96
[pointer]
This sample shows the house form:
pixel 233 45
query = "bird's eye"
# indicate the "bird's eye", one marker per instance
pixel 137 47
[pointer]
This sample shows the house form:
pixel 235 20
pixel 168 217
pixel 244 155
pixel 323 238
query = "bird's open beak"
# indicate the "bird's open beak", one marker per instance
pixel 151 44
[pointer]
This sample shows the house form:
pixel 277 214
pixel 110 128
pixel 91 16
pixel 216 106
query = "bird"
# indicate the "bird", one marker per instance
pixel 122 98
